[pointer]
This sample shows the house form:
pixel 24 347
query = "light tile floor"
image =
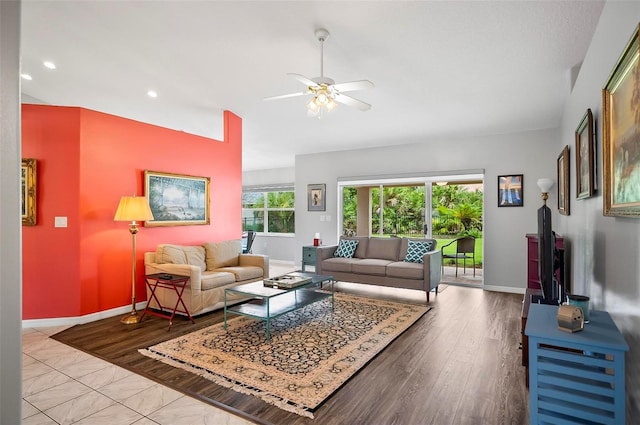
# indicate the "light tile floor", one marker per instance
pixel 62 385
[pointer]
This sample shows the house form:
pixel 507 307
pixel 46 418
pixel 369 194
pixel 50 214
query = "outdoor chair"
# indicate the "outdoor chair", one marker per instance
pixel 247 241
pixel 465 249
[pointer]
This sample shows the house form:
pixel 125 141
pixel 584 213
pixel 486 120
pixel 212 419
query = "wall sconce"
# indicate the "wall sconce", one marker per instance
pixel 133 209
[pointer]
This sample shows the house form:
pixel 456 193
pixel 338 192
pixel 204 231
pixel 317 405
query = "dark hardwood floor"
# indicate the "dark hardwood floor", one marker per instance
pixel 459 364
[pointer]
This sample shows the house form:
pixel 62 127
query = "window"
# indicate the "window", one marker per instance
pixel 268 211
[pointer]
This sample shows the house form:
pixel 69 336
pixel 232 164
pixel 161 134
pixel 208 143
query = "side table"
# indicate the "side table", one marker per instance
pixel 310 256
pixel 575 377
pixel 176 282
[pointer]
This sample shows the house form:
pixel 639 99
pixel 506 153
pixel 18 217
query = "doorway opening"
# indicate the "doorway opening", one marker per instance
pixel 444 207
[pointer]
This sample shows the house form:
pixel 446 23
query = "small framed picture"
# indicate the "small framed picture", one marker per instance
pixel 28 192
pixel 585 181
pixel 510 193
pixel 563 181
pixel 316 197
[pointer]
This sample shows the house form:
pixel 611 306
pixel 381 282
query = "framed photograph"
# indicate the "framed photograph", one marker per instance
pixel 510 193
pixel 563 181
pixel 28 192
pixel 585 181
pixel 176 200
pixel 621 135
pixel 316 197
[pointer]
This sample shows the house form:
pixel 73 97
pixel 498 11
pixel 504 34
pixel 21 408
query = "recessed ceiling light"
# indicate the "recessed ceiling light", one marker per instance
pixel 49 64
pixel 26 77
pixel 152 93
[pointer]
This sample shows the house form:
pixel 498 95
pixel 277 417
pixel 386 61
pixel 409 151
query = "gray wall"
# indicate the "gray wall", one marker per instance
pixel 532 154
pixel 278 247
pixel 605 250
pixel 10 227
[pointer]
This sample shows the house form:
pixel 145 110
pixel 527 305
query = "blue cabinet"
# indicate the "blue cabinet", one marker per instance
pixel 309 256
pixel 575 378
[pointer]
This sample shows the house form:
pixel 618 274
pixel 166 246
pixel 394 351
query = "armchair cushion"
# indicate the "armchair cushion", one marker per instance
pixel 222 254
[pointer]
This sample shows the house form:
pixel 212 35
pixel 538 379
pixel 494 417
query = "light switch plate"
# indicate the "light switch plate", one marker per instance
pixel 60 222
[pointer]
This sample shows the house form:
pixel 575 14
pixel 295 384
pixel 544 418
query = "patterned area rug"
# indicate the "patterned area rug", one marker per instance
pixel 312 351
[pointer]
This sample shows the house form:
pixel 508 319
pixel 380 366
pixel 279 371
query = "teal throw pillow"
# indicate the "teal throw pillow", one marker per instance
pixel 346 248
pixel 416 250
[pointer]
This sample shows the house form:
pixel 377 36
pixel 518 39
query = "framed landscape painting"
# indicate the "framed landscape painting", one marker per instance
pixel 585 180
pixel 177 200
pixel 621 135
pixel 563 181
pixel 28 174
pixel 510 193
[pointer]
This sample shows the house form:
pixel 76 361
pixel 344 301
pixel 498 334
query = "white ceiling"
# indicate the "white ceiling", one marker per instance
pixel 441 68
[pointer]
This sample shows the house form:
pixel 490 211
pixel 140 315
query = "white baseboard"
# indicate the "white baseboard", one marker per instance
pixel 508 289
pixel 77 320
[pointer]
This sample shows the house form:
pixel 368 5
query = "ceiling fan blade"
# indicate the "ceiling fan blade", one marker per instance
pixel 284 96
pixel 353 85
pixel 350 101
pixel 304 80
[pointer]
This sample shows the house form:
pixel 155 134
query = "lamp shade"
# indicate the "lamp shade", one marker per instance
pixel 545 185
pixel 133 208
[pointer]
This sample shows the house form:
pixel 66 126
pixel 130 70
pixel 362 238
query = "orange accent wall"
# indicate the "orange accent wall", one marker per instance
pixel 87 160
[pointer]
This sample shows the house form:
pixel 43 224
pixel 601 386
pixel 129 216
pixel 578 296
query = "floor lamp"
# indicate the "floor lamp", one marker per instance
pixel 133 209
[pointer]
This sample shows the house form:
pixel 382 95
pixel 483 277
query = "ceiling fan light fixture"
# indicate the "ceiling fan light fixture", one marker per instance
pixel 312 105
pixel 322 98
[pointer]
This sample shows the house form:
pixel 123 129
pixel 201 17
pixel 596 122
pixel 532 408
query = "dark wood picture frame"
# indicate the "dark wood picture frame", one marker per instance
pixel 563 182
pixel 316 197
pixel 585 163
pixel 177 199
pixel 621 135
pixel 28 188
pixel 510 190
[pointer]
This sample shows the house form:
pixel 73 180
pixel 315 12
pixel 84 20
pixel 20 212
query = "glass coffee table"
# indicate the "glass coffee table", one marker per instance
pixel 267 303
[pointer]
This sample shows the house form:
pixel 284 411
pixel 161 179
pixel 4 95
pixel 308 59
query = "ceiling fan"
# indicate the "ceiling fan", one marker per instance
pixel 324 90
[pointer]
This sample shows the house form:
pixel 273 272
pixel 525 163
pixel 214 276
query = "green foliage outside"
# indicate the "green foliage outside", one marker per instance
pixel 280 218
pixel 456 212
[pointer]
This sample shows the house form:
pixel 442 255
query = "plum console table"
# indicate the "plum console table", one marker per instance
pixel 575 378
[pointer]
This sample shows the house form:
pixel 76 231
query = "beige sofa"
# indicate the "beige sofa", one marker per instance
pixel 212 267
pixel 385 262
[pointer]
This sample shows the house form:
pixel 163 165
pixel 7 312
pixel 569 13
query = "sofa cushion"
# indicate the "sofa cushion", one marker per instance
pixel 405 244
pixel 363 243
pixel 171 254
pixel 243 273
pixel 346 248
pixel 406 270
pixel 181 254
pixel 371 266
pixel 416 250
pixel 211 280
pixel 222 254
pixel 338 264
pixel 384 248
